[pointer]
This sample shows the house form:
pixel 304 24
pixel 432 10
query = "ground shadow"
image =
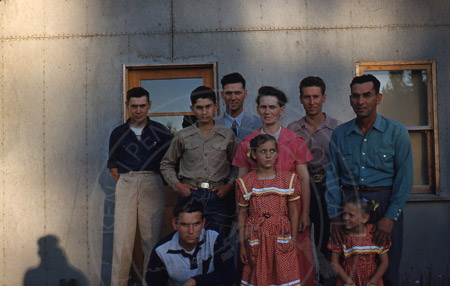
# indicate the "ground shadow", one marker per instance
pixel 54 268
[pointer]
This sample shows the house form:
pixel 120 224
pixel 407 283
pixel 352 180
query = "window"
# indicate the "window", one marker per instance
pixel 409 96
pixel 170 87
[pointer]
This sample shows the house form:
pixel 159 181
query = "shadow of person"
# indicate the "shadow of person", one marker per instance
pixel 54 268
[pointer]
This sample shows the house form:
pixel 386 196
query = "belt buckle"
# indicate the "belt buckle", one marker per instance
pixel 204 185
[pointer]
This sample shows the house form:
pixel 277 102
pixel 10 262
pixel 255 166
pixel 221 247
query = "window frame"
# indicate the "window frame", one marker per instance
pixel 133 74
pixel 432 128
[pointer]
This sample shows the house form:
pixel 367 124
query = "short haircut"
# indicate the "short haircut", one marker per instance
pixel 363 204
pixel 261 139
pixel 366 78
pixel 312 81
pixel 232 78
pixel 137 92
pixel 271 91
pixel 188 205
pixel 203 92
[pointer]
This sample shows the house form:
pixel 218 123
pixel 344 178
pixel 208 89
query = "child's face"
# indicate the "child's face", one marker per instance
pixel 353 217
pixel 266 155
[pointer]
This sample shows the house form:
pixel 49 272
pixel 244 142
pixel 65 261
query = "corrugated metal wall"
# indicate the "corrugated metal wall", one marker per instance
pixel 61 95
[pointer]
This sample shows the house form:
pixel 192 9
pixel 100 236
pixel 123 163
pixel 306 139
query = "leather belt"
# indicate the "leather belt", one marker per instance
pixel 132 173
pixel 202 185
pixel 365 188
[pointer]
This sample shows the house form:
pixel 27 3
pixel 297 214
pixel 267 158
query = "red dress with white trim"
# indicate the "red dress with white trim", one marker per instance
pixel 360 257
pixel 270 249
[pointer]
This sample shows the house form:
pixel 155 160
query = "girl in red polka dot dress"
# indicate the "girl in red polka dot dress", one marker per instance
pixel 363 262
pixel 268 219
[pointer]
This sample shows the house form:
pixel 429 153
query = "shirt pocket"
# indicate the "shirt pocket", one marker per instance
pixel 346 159
pixel 384 159
pixel 192 152
pixel 219 152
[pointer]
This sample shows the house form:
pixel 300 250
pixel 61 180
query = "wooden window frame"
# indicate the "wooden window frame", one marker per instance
pixel 432 128
pixel 133 74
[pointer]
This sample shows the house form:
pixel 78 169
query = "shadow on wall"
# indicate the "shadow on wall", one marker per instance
pixel 108 186
pixel 54 268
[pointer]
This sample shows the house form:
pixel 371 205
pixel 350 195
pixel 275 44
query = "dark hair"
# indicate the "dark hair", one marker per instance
pixel 232 78
pixel 188 205
pixel 137 92
pixel 271 91
pixel 261 139
pixel 312 81
pixel 203 92
pixel 366 206
pixel 367 78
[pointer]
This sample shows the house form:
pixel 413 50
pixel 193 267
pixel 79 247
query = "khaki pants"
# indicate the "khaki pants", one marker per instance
pixel 139 202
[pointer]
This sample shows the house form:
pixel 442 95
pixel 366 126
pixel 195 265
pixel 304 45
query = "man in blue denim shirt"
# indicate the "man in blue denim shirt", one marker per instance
pixel 371 156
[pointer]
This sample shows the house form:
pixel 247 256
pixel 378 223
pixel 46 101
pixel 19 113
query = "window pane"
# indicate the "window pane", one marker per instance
pixel 173 123
pixel 404 96
pixel 171 95
pixel 420 157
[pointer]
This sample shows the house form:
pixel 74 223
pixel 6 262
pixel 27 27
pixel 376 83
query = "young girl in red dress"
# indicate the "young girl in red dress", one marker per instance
pixel 268 219
pixel 363 262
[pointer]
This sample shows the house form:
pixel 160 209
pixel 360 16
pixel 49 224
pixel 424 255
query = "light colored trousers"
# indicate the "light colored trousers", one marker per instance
pixel 139 201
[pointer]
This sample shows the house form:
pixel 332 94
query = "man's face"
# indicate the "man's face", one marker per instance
pixel 189 227
pixel 205 110
pixel 269 110
pixel 138 108
pixel 312 100
pixel 364 100
pixel 234 95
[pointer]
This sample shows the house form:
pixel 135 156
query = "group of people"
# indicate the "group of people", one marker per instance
pixel 348 181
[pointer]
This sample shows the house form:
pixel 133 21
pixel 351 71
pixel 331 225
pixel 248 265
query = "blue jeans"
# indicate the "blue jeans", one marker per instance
pixel 218 212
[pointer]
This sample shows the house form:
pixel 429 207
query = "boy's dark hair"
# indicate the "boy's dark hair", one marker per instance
pixel 203 92
pixel 232 78
pixel 365 205
pixel 271 91
pixel 367 78
pixel 137 92
pixel 188 205
pixel 312 81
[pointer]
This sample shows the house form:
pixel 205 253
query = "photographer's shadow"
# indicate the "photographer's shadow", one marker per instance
pixel 54 268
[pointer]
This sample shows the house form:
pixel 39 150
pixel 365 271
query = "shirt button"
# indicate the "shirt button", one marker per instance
pixel 362 179
pixel 384 156
pixel 364 153
pixel 363 167
pixel 365 140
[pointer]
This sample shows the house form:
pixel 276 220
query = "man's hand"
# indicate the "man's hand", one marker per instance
pixel 304 222
pixel 114 173
pixel 223 190
pixel 189 282
pixel 184 189
pixel 337 231
pixel 382 231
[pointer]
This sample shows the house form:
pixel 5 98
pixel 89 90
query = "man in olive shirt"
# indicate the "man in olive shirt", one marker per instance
pixel 202 153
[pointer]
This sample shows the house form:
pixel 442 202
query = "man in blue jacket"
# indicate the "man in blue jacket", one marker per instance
pixel 234 117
